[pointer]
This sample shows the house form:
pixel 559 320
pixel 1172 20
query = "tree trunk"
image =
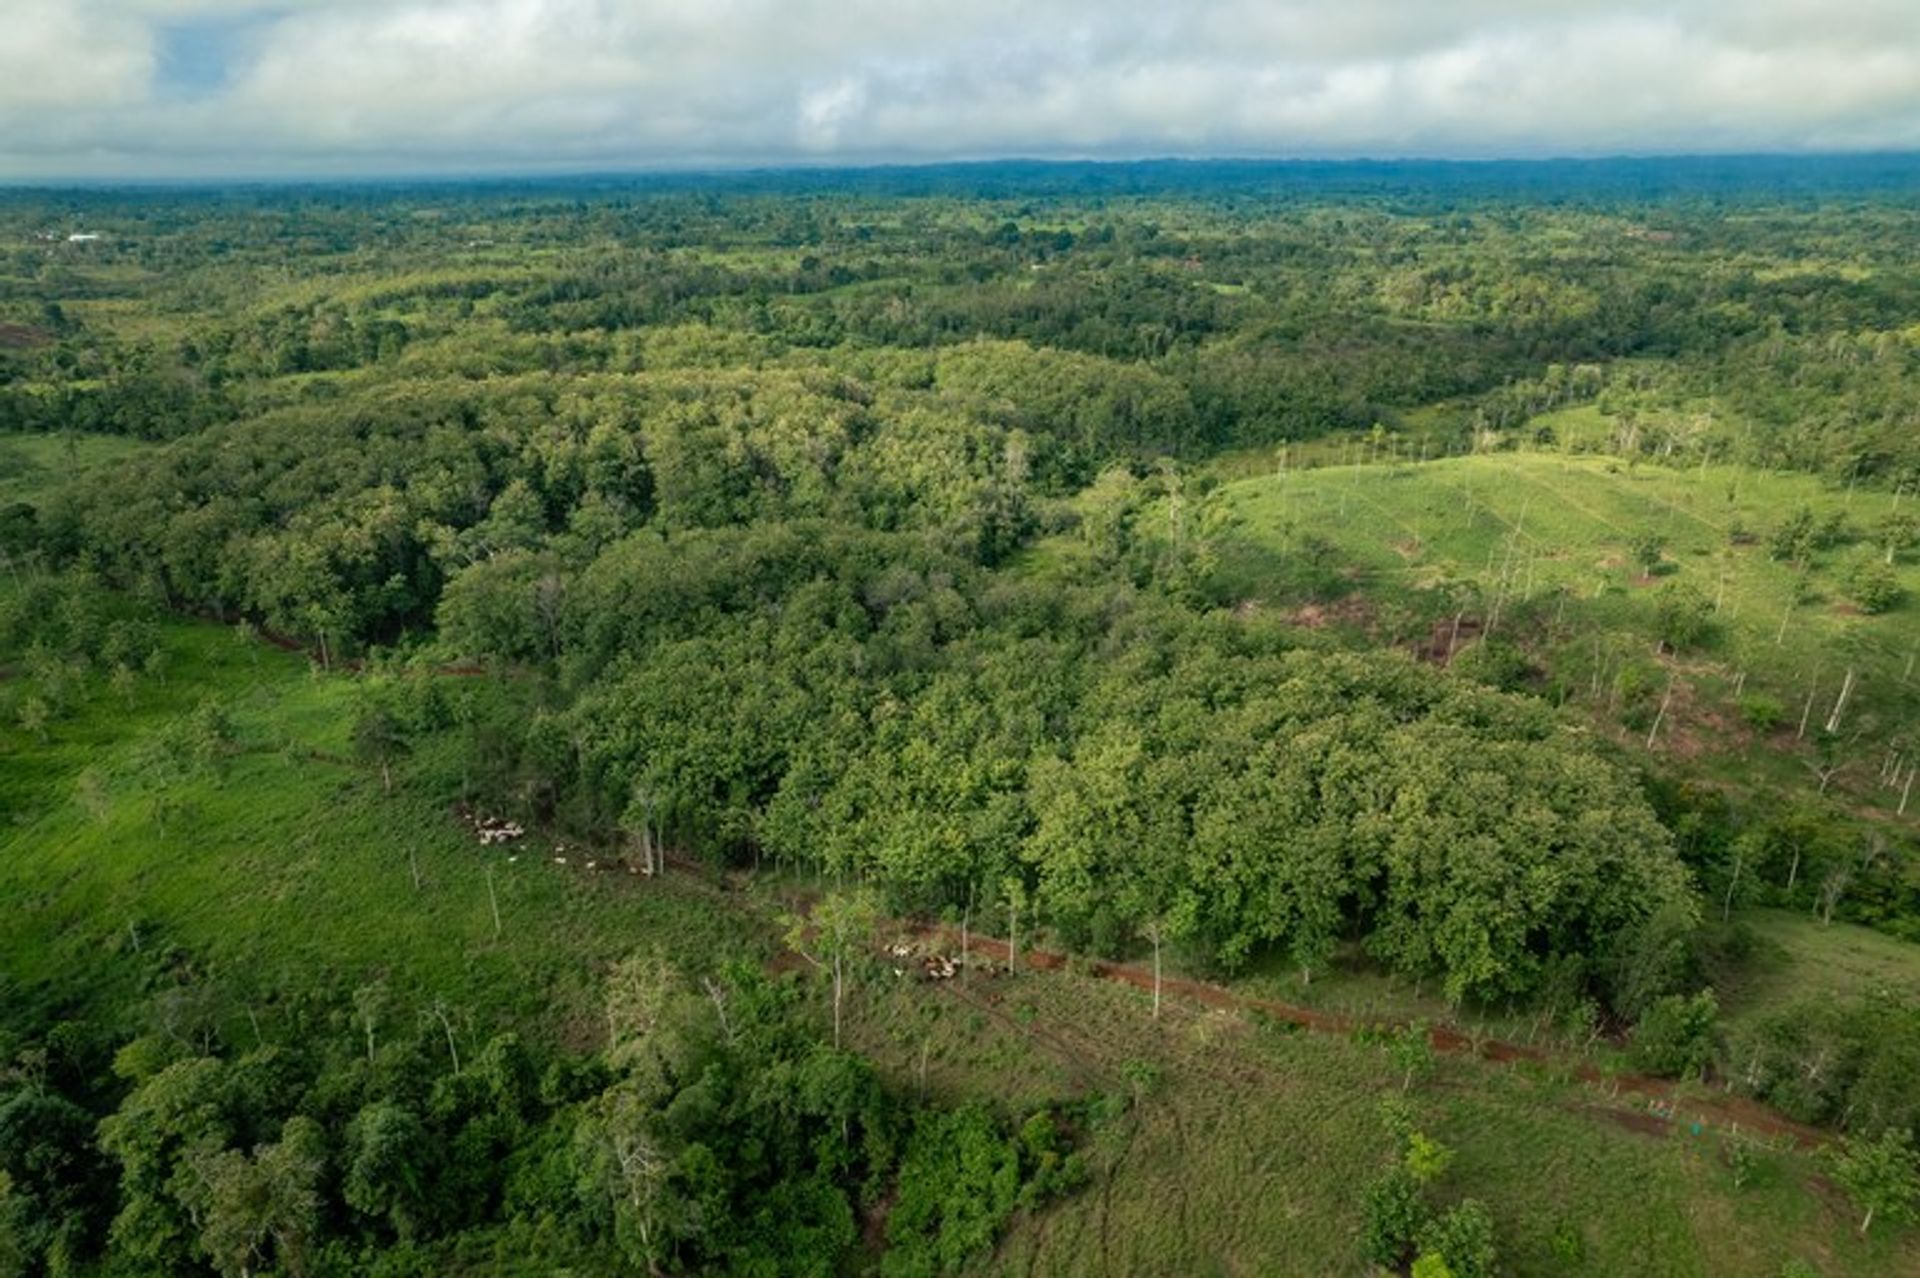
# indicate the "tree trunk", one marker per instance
pixel 1013 936
pixel 966 925
pixel 1156 972
pixel 838 971
pixel 1846 690
pixel 1726 907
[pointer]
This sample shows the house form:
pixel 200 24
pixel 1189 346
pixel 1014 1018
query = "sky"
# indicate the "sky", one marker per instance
pixel 131 89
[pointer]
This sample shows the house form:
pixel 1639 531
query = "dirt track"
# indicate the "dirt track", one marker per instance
pixel 1664 1107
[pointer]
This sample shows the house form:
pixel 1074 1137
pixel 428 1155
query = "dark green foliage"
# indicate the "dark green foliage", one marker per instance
pixel 1396 1214
pixel 1685 618
pixel 1677 1035
pixel 1856 1062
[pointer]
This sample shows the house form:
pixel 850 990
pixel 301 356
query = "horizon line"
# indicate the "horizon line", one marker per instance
pixel 709 170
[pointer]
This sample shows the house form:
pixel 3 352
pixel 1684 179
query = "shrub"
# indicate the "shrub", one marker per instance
pixel 1676 1036
pixel 1395 1216
pixel 1762 712
pixel 1872 585
pixel 1463 1238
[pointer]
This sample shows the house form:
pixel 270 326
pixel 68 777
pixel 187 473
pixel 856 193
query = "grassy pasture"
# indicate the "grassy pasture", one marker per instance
pixel 293 871
pixel 1247 1149
pixel 29 463
pixel 1540 547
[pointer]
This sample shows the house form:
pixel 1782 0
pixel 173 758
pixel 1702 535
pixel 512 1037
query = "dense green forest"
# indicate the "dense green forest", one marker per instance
pixel 1431 596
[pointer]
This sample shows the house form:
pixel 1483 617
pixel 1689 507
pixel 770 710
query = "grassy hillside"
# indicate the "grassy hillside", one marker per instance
pixel 1550 552
pixel 288 869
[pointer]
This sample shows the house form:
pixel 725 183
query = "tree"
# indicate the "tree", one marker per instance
pixel 1412 1051
pixel 622 1154
pixel 834 935
pixel 387 1167
pixel 1649 550
pixel 1881 1175
pixel 1872 584
pixel 641 990
pixel 370 1005
pixel 1677 1035
pixel 264 1209
pixel 379 738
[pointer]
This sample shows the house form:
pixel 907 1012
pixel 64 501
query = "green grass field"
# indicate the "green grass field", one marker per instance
pixel 295 871
pixel 1538 548
pixel 29 463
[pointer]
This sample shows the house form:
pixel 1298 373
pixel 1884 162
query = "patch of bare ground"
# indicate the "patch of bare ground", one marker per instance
pixel 1446 637
pixel 23 337
pixel 1351 611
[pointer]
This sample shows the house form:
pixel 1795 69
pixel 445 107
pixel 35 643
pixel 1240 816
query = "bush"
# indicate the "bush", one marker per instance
pixel 1676 1036
pixel 1685 618
pixel 1463 1239
pixel 1872 585
pixel 1762 712
pixel 1395 1216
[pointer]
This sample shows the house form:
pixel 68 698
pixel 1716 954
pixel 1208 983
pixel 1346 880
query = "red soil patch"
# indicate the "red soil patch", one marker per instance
pixel 20 337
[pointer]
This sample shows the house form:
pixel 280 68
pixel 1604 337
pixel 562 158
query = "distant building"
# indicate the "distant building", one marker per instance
pixel 83 237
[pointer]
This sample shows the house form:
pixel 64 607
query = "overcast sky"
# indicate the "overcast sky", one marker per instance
pixel 213 88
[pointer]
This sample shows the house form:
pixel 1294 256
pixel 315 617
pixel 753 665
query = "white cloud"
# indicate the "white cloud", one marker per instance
pixel 394 85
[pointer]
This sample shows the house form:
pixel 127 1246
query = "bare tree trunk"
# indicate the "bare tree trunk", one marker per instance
pixel 1659 718
pixel 966 930
pixel 1013 936
pixel 838 985
pixel 453 1049
pixel 1846 690
pixel 1805 714
pixel 494 901
pixel 1155 935
pixel 1726 906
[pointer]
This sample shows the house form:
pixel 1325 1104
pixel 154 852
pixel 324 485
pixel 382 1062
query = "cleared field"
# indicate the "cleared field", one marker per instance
pixel 1246 1149
pixel 29 463
pixel 1802 961
pixel 1544 549
pixel 294 871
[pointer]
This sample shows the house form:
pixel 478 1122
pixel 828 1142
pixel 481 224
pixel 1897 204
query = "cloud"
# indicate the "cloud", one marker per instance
pixel 123 88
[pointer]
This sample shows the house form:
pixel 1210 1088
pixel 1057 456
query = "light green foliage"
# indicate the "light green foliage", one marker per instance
pixel 1881 1175
pixel 1463 1237
pixel 1427 1159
